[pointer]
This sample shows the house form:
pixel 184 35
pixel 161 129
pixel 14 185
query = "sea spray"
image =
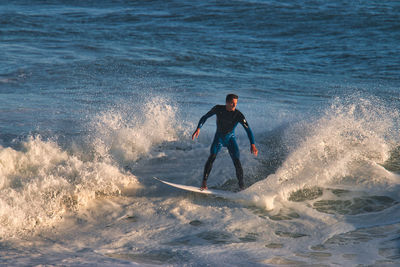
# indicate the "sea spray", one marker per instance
pixel 343 147
pixel 41 182
pixel 128 131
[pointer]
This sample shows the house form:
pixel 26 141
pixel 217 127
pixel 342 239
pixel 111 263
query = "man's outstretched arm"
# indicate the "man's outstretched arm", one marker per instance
pixel 250 135
pixel 202 121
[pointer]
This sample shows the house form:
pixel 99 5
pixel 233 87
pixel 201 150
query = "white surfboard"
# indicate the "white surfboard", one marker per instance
pixel 214 192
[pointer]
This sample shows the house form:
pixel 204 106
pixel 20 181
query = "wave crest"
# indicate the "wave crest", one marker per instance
pixel 343 148
pixel 129 131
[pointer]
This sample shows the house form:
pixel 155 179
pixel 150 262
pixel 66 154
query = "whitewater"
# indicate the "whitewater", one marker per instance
pixel 332 197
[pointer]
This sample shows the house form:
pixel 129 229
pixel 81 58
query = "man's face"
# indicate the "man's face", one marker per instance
pixel 231 105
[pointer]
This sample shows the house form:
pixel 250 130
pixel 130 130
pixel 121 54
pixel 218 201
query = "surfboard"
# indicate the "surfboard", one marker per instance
pixel 214 192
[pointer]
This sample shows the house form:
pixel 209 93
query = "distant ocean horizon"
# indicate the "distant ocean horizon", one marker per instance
pixel 99 97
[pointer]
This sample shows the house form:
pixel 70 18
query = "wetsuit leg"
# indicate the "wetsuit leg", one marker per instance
pixel 216 144
pixel 214 149
pixel 208 166
pixel 239 172
pixel 235 155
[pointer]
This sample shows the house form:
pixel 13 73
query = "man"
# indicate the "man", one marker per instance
pixel 227 119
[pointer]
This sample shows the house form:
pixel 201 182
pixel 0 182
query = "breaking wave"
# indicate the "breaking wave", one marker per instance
pixel 41 181
pixel 345 147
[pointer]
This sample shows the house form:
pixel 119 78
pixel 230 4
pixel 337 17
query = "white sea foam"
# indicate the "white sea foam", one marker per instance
pixel 128 131
pixel 341 148
pixel 344 147
pixel 40 182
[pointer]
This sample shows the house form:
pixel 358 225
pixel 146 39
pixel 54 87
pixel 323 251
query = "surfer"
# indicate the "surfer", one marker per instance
pixel 228 118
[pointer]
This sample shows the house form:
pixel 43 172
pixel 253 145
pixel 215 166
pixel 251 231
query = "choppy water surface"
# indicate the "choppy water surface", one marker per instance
pixel 98 97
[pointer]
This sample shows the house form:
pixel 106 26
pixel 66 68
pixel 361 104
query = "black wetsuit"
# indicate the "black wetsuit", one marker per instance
pixel 225 136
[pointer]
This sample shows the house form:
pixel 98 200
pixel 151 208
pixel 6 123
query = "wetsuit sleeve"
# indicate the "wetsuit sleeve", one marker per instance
pixel 248 130
pixel 203 119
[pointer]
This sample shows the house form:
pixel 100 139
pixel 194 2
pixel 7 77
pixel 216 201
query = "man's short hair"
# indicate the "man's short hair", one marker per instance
pixel 230 97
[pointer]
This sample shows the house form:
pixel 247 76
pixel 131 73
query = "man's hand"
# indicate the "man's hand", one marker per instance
pixel 196 134
pixel 254 150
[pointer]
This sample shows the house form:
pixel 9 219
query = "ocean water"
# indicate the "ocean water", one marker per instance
pixel 98 97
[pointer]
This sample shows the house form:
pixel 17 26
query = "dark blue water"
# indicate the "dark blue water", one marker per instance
pixel 60 58
pixel 124 83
